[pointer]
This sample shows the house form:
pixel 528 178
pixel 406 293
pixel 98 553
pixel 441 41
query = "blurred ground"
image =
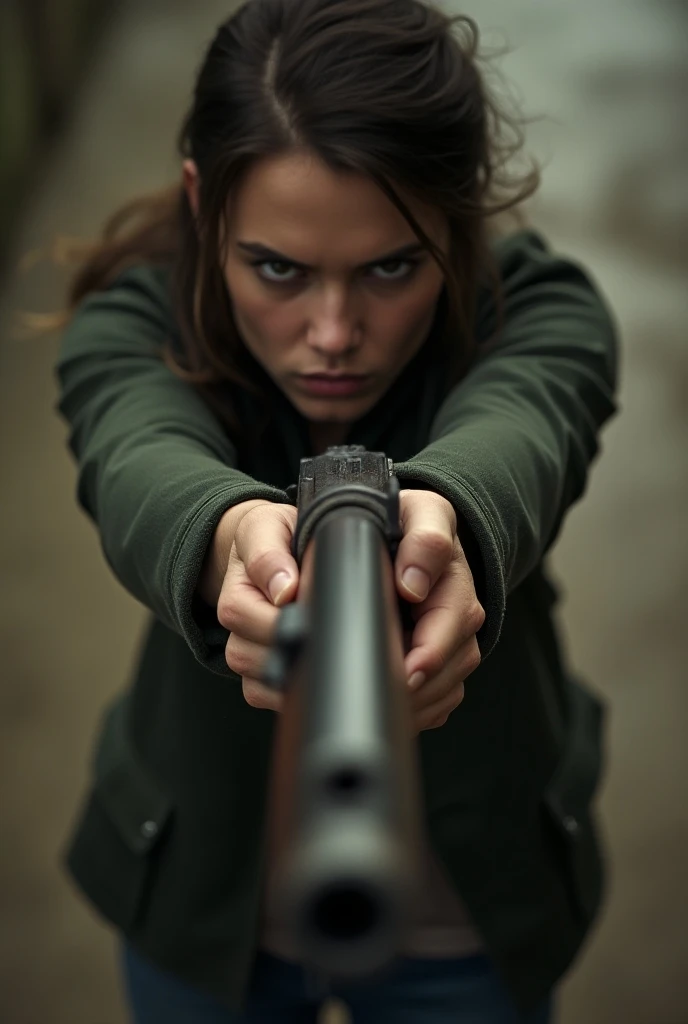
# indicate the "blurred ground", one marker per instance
pixel 611 83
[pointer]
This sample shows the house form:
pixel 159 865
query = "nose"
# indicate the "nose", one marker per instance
pixel 333 329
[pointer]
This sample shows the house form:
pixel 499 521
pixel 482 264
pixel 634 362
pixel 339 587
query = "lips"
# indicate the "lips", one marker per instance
pixel 332 385
pixel 334 376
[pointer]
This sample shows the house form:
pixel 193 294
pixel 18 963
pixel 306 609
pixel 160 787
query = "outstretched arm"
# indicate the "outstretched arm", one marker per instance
pixel 512 443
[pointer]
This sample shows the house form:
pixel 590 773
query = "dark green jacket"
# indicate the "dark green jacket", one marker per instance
pixel 170 843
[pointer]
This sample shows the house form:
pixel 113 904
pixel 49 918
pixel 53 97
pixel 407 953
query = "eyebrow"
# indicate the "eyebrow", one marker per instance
pixel 265 253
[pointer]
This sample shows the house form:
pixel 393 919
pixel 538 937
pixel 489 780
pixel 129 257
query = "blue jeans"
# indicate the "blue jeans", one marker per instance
pixel 416 991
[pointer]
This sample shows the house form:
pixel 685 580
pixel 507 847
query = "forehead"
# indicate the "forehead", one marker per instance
pixel 298 205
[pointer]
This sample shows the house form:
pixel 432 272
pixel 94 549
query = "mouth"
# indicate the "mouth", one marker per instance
pixel 333 384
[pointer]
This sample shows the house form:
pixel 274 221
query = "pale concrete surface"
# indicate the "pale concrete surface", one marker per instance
pixel 610 81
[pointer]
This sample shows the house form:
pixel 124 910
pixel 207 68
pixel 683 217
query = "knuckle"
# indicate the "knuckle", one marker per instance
pixel 230 655
pixel 249 516
pixel 474 659
pixel 235 657
pixel 441 716
pixel 431 719
pixel 437 543
pixel 229 609
pixel 436 661
pixel 257 563
pixel 266 512
pixel 254 694
pixel 289 513
pixel 451 511
pixel 476 617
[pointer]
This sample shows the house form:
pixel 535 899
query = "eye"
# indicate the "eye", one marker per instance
pixel 401 270
pixel 276 274
pixel 282 272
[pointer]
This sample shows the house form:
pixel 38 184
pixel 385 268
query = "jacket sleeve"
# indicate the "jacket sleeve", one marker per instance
pixel 156 470
pixel 512 443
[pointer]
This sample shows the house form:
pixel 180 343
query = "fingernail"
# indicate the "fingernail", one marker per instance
pixel 278 584
pixel 416 680
pixel 417 581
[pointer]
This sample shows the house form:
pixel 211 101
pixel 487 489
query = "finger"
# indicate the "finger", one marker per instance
pixel 263 543
pixel 428 522
pixel 449 617
pixel 242 608
pixel 438 687
pixel 258 695
pixel 436 715
pixel 245 657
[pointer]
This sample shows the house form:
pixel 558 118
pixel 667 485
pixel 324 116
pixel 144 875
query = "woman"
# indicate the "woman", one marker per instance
pixel 327 272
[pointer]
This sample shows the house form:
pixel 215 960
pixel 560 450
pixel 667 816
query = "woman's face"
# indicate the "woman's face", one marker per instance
pixel 319 286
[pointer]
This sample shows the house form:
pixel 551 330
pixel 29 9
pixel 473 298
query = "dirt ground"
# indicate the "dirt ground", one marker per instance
pixel 608 83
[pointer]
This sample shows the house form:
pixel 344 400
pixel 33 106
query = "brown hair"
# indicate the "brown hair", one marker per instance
pixel 391 89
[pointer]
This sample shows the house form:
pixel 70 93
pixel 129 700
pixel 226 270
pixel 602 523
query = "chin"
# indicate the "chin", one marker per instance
pixel 344 413
pixel 325 410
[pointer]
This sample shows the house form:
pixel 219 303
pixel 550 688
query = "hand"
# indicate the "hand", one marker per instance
pixel 442 646
pixel 432 572
pixel 261 576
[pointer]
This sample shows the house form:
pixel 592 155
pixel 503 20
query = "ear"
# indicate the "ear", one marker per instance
pixel 191 181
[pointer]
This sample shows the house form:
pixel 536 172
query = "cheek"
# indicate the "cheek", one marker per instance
pixel 410 318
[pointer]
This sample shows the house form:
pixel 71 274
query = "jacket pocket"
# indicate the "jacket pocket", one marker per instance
pixel 569 796
pixel 120 829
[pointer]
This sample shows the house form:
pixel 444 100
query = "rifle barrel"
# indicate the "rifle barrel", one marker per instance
pixel 346 875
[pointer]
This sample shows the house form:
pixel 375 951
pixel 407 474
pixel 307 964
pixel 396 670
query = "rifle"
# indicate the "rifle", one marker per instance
pixel 344 823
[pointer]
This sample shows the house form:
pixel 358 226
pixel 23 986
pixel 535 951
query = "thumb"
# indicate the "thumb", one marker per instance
pixel 428 524
pixel 263 543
